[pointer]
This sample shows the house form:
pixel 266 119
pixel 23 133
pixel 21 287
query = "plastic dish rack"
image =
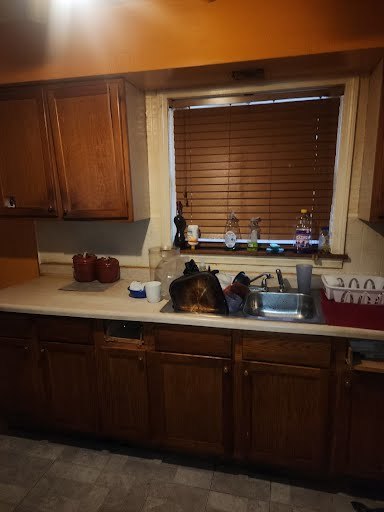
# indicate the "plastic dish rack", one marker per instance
pixel 354 289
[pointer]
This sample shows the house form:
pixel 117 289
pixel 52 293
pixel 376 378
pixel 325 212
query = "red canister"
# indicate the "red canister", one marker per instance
pixel 107 270
pixel 84 267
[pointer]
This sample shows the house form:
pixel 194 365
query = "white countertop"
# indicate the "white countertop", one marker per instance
pixel 42 296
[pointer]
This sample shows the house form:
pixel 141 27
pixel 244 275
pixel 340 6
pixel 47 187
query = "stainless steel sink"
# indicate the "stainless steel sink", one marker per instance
pixel 289 307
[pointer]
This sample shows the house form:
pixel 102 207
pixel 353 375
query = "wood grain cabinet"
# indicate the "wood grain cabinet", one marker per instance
pixel 18 382
pixel 26 161
pixel 191 402
pixel 69 373
pixel 124 393
pixel 284 415
pixel 76 150
pixel 363 420
pixel 371 197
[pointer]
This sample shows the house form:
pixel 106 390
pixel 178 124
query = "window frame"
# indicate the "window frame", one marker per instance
pixel 161 153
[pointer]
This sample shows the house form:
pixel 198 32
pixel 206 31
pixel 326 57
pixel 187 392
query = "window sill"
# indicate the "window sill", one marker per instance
pixel 289 258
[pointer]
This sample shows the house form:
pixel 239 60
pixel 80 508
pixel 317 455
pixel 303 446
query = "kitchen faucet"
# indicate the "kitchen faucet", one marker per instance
pixel 263 287
pixel 281 280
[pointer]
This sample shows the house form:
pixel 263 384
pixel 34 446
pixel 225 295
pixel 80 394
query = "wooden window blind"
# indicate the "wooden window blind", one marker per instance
pixel 262 160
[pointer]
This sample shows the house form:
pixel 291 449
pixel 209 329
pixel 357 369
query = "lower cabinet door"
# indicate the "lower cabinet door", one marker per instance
pixel 191 402
pixel 124 393
pixel 70 384
pixel 284 415
pixel 18 381
pixel 365 449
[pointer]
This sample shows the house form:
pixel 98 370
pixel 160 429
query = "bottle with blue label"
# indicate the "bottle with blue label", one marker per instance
pixel 303 232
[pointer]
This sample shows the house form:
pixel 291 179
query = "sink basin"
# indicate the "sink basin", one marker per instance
pixel 293 307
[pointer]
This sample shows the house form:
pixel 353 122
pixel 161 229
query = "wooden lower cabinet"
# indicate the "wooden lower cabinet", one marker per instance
pixel 124 393
pixel 18 383
pixel 284 415
pixel 191 402
pixel 69 373
pixel 365 417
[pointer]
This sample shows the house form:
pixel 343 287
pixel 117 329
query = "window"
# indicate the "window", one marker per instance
pixel 160 110
pixel 259 156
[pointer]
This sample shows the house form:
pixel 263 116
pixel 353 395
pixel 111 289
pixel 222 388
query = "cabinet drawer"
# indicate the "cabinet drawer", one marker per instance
pixel 14 325
pixel 289 349
pixel 67 329
pixel 193 340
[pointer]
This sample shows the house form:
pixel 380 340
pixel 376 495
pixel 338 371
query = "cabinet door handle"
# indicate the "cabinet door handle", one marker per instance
pixel 348 383
pixel 26 347
pixel 50 209
pixel 226 369
pixel 141 359
pixel 65 211
pixel 245 373
pixel 42 350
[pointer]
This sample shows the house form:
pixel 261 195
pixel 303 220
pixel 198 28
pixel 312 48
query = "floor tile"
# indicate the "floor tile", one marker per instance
pixel 15 443
pixel 188 499
pixel 120 500
pixel 312 499
pixel 221 502
pixel 46 450
pixel 241 485
pixel 117 480
pixel 6 507
pixel 258 506
pixel 85 457
pixel 194 477
pixel 21 469
pixel 60 469
pixel 280 493
pixel 280 507
pixel 61 495
pixel 12 494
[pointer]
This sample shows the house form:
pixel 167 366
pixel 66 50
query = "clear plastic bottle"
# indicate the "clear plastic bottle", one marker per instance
pixel 303 231
pixel 324 240
pixel 254 234
pixel 231 232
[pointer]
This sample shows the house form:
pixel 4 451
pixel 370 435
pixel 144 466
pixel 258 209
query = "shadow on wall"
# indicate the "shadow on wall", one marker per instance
pixel 98 237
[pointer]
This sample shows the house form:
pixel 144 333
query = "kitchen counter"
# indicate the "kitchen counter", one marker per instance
pixel 42 296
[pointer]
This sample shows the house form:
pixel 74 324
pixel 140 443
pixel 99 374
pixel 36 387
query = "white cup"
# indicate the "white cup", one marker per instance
pixel 153 291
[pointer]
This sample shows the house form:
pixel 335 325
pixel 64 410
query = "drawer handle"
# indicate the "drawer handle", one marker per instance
pixel 245 373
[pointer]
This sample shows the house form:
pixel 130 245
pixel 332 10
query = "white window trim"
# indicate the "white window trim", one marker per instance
pixel 160 151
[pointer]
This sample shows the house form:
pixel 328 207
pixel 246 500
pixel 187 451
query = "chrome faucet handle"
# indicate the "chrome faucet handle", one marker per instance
pixel 280 280
pixel 264 284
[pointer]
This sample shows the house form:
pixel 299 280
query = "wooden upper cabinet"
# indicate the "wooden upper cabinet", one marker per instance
pixel 371 197
pixel 89 132
pixel 26 165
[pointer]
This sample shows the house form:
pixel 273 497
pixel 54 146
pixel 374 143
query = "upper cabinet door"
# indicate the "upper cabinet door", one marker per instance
pixel 26 165
pixel 89 131
pixel 371 196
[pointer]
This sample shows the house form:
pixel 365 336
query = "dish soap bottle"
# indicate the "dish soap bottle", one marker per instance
pixel 232 232
pixel 254 234
pixel 303 231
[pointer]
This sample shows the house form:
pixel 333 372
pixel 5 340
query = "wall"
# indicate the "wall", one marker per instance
pixel 18 254
pixel 101 37
pixel 58 241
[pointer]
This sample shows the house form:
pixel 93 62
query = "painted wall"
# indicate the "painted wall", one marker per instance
pixel 100 36
pixel 18 254
pixel 58 241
